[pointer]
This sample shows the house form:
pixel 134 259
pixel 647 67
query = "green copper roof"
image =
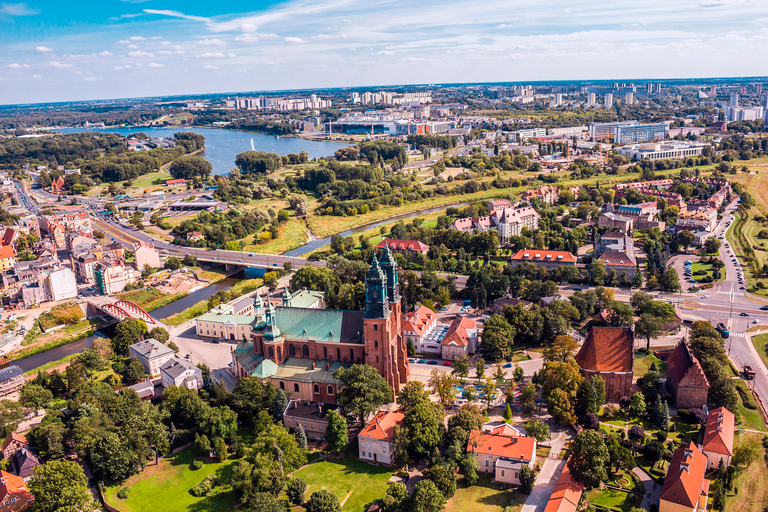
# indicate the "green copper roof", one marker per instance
pixel 320 324
pixel 305 298
pixel 235 319
pixel 265 370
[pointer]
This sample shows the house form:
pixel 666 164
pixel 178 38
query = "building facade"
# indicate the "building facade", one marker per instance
pixel 608 352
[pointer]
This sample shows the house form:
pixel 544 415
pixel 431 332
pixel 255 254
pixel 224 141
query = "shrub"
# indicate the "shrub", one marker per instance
pixel 591 422
pixel 661 436
pixel 204 487
pixel 197 465
pixel 653 451
pixel 684 414
pixel 636 433
pixel 295 490
pixel 124 493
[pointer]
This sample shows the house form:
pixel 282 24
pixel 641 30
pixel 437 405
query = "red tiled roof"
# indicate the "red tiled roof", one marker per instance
pixel 403 245
pixel 607 349
pixel 13 486
pixel 617 259
pixel 457 332
pixel 507 446
pixel 175 182
pixel 7 251
pixel 418 321
pixel 537 255
pixel 685 481
pixel 718 435
pixel 682 363
pixel 382 426
pixel 566 495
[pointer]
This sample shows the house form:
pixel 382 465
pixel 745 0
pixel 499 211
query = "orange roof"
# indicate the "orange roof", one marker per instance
pixel 566 495
pixel 418 321
pixel 506 446
pixel 13 436
pixel 457 332
pixel 13 486
pixel 382 426
pixel 7 251
pixel 538 255
pixel 607 349
pixel 403 245
pixel 685 481
pixel 718 435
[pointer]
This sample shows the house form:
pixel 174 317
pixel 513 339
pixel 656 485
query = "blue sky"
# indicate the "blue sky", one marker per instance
pixel 85 49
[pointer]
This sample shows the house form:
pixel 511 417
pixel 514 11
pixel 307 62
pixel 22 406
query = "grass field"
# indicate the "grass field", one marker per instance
pixel 611 498
pixel 642 364
pixel 753 492
pixel 759 342
pixel 166 487
pixel 291 235
pixel 150 298
pixel 698 266
pixel 347 476
pixel 483 497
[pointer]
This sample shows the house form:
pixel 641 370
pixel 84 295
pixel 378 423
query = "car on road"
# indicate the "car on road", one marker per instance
pixel 743 314
pixel 433 363
pixel 507 365
pixel 250 255
pixel 447 363
pixel 421 361
pixel 705 296
pixel 754 321
pixel 742 288
pixel 274 265
pixel 240 261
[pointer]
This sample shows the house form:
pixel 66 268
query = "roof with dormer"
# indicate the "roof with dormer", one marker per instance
pixel 685 482
pixel 718 434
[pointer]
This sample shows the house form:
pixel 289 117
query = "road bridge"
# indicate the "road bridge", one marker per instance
pixel 122 309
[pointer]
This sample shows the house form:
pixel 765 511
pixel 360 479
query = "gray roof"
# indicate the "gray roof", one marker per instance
pixel 307 410
pixel 10 373
pixel 176 367
pixel 144 388
pixel 151 348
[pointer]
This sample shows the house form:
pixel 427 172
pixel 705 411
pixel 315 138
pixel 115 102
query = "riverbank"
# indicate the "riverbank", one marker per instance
pixel 237 290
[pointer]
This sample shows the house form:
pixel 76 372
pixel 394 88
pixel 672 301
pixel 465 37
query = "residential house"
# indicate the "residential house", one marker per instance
pixel 181 373
pixel 697 220
pixel 613 241
pixel 410 247
pixel 151 354
pixel 502 452
pixel 312 416
pixel 718 437
pixel 145 389
pixel 498 204
pixel 615 222
pixel 14 495
pixel 609 353
pixel 11 380
pixel 685 489
pixel 460 339
pixel 543 258
pixel 567 493
pixel 178 181
pixel 145 254
pixel 623 264
pixel 375 439
pixel 508 222
pixel 685 378
pixel 417 325
pixel 500 303
pixel 546 193
pixel 195 236
pixel 111 277
pixel 24 464
pixel 57 185
pixel 13 444
pixel 7 257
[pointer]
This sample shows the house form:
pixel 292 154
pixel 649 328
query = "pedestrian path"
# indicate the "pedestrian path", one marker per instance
pixel 547 479
pixel 737 334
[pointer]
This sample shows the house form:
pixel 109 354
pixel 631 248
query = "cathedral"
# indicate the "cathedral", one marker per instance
pixel 299 349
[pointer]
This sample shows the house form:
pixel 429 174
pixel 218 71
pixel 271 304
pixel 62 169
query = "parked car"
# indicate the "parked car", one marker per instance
pixel 447 363
pixel 507 365
pixel 433 363
pixel 743 314
pixel 764 308
pixel 422 361
pixel 411 360
pixel 705 296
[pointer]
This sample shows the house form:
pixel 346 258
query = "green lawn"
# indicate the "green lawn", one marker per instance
pixel 697 266
pixel 166 487
pixel 364 481
pixel 617 500
pixel 150 298
pixel 759 342
pixel 484 498
pixel 642 364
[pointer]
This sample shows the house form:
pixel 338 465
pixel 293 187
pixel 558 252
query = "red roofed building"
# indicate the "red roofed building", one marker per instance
pixel 418 324
pixel 566 495
pixel 179 181
pixel 13 444
pixel 460 339
pixel 685 488
pixel 718 437
pixel 685 379
pixel 375 440
pixel 14 495
pixel 609 353
pixel 542 258
pixel 403 246
pixel 57 185
pixel 501 453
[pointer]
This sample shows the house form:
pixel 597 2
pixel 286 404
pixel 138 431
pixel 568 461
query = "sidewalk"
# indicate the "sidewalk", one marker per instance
pixel 548 476
pixel 652 489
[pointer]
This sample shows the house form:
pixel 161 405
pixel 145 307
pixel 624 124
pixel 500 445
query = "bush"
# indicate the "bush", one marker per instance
pixel 746 395
pixel 197 465
pixel 204 487
pixel 653 451
pixel 661 436
pixel 591 422
pixel 124 493
pixel 636 433
pixel 295 490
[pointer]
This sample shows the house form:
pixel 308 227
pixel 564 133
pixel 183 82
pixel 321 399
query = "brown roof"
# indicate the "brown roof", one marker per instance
pixel 507 446
pixel 617 258
pixel 537 255
pixel 13 436
pixel 685 480
pixel 566 495
pixel 718 435
pixel 457 332
pixel 12 486
pixel 608 349
pixel 382 426
pixel 418 321
pixel 403 245
pixel 682 364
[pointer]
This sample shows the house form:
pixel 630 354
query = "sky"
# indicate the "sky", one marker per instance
pixel 55 50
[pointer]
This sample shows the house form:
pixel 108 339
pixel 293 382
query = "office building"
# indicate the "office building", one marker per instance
pixel 629 98
pixel 628 134
pixel 661 151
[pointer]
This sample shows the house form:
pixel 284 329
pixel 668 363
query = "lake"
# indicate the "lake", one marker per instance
pixel 221 146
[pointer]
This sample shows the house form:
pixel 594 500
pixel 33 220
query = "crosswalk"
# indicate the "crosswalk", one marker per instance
pixel 737 334
pixel 736 294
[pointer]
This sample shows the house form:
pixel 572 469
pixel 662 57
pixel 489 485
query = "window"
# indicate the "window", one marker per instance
pixel 312 426
pixel 376 345
pixel 375 327
pixel 338 354
pixel 295 387
pixel 316 388
pixel 304 351
pixel 325 352
pixel 486 462
pixel 330 389
pixel 291 350
pixel 502 472
pixel 351 355
pixel 305 426
pixel 369 446
pixel 517 475
pixel 282 385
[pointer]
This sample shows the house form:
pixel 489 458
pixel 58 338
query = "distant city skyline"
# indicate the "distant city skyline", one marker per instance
pixel 67 51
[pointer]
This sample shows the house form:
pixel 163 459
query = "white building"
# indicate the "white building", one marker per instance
pixel 375 439
pixel 181 373
pixel 144 253
pixel 61 284
pixel 662 150
pixel 609 100
pixel 151 354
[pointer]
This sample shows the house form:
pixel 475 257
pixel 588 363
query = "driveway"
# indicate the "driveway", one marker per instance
pixel 548 476
pixel 652 489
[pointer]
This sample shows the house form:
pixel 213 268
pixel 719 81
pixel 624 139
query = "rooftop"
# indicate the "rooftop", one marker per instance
pixel 607 349
pixel 542 255
pixel 685 476
pixel 718 434
pixel 502 445
pixel 151 348
pixel 382 426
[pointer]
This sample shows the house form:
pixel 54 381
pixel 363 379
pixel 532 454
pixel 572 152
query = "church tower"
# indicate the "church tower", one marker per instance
pixel 376 305
pixel 399 350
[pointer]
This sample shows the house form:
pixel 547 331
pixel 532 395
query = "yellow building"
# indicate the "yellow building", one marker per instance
pixel 7 257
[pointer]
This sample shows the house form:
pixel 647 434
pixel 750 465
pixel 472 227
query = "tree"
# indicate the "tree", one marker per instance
pixel 670 280
pixel 444 386
pixel 323 501
pixel 620 457
pixel 159 334
pixel 60 486
pixel 586 399
pixel 561 349
pixel 134 372
pixel 637 405
pixel 649 327
pixel 363 390
pixel 561 408
pixel 480 368
pixel 653 451
pixel 337 433
pixel 443 478
pixel 507 412
pixel 301 437
pixel 128 332
pixel 202 444
pixel 411 395
pixel 172 263
pixel 221 449
pixel 489 390
pixel 537 429
pixel 498 338
pixel 619 314
pixel 266 502
pixel 461 366
pixel 258 161
pixel 112 458
pixel 189 167
pixel 103 346
pixel 295 490
pixel 747 452
pixel 280 404
pixel 527 478
pixel 426 497
pixel 718 500
pixel 589 458
pixel 35 397
pixel 711 245
pixel 685 238
pixel 528 396
pixel 662 416
pixel 424 426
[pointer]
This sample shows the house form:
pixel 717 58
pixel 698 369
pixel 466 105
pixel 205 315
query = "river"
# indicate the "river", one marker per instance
pixel 221 146
pixel 317 243
pixel 193 298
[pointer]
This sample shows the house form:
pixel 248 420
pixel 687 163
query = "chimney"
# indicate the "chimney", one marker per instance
pixel 319 409
pixel 313 365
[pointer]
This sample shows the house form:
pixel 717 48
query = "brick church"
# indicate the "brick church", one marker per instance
pixel 299 349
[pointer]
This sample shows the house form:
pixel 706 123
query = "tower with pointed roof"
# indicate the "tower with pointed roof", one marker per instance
pixel 286 298
pixel 376 303
pixel 400 353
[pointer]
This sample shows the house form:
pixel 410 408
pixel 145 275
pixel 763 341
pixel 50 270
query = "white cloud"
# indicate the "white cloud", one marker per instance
pixel 216 55
pixel 43 49
pixel 385 52
pixel 155 65
pixel 137 38
pixel 16 65
pixel 140 54
pixel 127 66
pixel 133 46
pixel 247 38
pixel 19 9
pixel 57 64
pixel 247 27
pixel 211 42
pixel 175 14
pixel 211 67
pixel 91 79
pixel 293 40
pixel 36 76
pixel 105 53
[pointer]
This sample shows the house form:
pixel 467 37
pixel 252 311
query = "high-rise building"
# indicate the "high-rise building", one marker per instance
pixel 759 89
pixel 734 100
pixel 743 90
pixel 558 99
pixel 591 99
pixel 609 100
pixel 649 88
pixel 713 91
pixel 629 98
